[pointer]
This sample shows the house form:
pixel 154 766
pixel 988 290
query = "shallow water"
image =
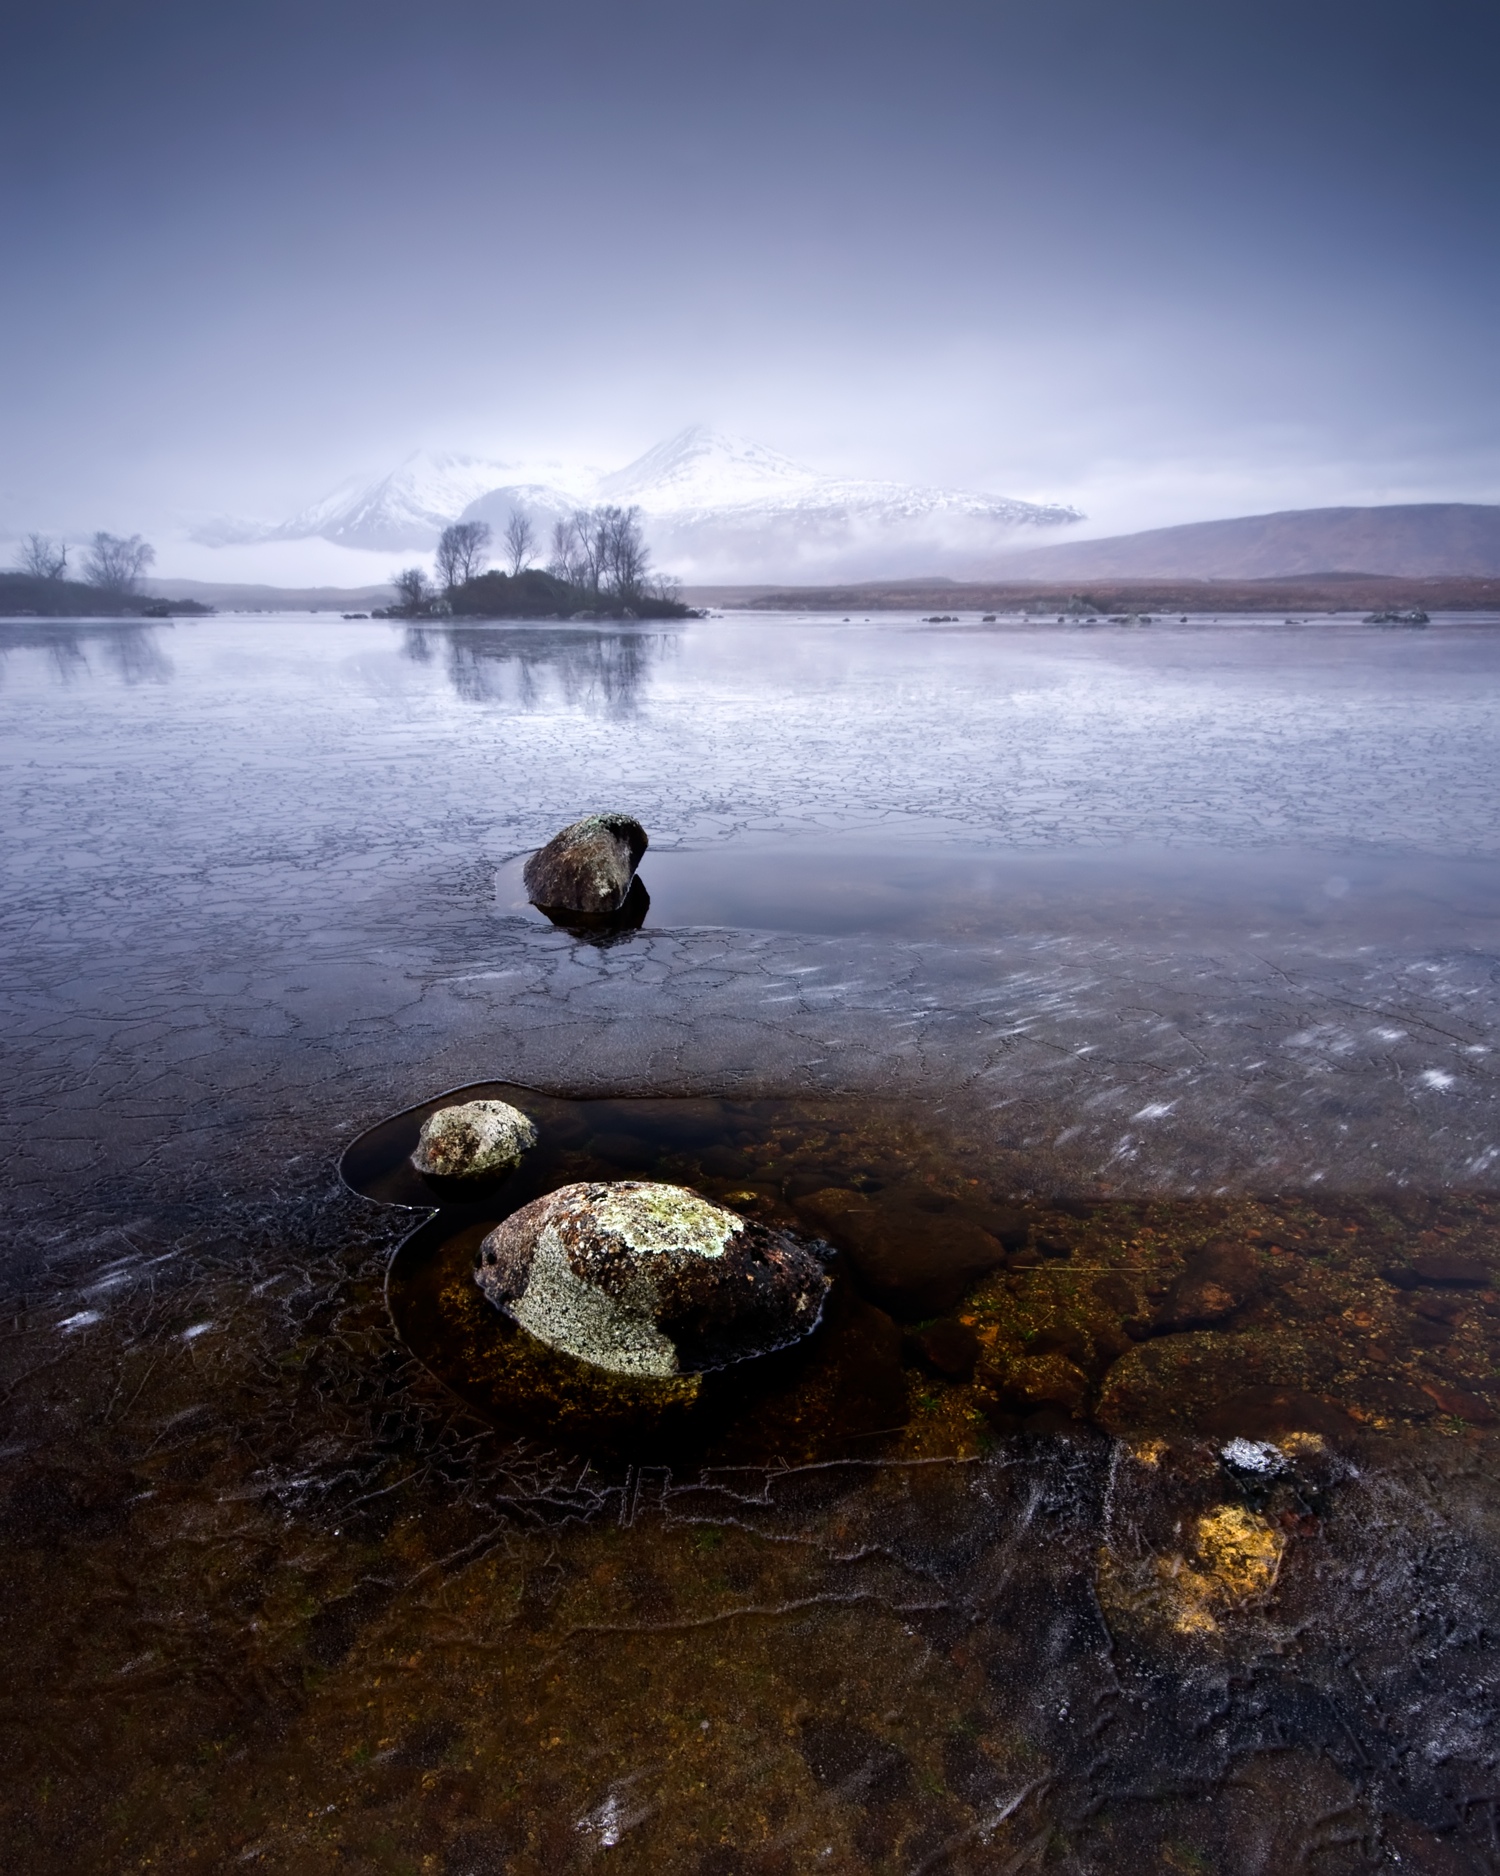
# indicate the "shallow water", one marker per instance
pixel 1161 960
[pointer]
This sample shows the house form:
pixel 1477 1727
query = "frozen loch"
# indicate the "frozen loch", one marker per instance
pixel 1116 1007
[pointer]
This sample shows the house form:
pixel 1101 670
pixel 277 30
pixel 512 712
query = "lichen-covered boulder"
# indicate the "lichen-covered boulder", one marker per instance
pixel 473 1140
pixel 588 867
pixel 647 1279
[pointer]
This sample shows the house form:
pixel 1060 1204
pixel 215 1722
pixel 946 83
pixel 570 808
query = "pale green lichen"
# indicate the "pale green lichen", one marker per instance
pixel 666 1219
pixel 564 1311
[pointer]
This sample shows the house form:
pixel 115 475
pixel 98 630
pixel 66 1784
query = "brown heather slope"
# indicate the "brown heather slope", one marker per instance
pixel 1411 540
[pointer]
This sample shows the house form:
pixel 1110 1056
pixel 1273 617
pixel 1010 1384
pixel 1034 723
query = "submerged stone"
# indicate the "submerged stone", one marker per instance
pixel 653 1280
pixel 913 1261
pixel 1219 1280
pixel 473 1140
pixel 1034 1383
pixel 588 867
pixel 1440 1270
pixel 948 1347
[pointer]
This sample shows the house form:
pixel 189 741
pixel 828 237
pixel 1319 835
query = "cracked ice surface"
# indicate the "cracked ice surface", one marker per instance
pixel 250 870
pixel 272 1597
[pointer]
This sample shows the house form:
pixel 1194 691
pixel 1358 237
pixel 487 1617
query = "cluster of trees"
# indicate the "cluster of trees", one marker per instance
pixel 109 578
pixel 113 564
pixel 599 561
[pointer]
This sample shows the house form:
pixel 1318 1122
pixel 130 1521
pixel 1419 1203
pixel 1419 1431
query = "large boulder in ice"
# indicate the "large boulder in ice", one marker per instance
pixel 588 867
pixel 473 1140
pixel 647 1279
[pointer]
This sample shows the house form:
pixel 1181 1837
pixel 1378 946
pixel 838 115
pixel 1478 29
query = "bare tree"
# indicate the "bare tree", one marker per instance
pixel 568 560
pixel 43 559
pixel 590 545
pixel 115 564
pixel 664 586
pixel 412 592
pixel 602 549
pixel 520 539
pixel 462 552
pixel 623 554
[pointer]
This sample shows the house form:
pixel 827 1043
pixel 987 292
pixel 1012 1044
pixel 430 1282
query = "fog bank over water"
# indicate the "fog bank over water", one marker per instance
pixel 1157 266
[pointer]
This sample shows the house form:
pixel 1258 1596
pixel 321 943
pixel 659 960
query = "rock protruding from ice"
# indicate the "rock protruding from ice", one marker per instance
pixel 645 1279
pixel 1257 1458
pixel 473 1140
pixel 588 867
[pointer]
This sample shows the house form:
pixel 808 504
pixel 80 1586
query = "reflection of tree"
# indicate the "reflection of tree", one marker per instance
pixel 134 651
pixel 136 655
pixel 600 671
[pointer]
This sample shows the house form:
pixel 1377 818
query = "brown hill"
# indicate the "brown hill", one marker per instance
pixel 1411 541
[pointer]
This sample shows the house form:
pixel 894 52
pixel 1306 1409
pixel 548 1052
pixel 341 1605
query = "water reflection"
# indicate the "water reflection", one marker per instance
pixel 873 882
pixel 600 671
pixel 133 652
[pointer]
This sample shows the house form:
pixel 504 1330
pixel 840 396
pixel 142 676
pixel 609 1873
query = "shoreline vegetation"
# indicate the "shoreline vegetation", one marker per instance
pixel 600 568
pixel 113 569
pixel 1308 593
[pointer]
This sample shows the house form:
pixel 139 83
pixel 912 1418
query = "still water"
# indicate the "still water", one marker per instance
pixel 1119 1003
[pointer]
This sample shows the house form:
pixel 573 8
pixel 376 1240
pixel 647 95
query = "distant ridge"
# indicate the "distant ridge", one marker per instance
pixel 231 596
pixel 1405 540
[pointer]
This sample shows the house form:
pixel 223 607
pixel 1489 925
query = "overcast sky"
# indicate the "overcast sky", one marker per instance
pixel 1162 260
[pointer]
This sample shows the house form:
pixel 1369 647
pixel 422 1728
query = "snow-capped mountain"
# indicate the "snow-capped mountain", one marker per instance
pixel 702 472
pixel 404 510
pixel 703 468
pixel 408 508
pixel 719 508
pixel 715 507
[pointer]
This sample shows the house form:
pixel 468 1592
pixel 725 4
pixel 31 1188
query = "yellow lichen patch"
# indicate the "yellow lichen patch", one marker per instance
pixel 1240 1552
pixel 1235 1557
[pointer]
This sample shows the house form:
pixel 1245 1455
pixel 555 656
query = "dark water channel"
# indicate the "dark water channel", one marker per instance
pixel 1119 1006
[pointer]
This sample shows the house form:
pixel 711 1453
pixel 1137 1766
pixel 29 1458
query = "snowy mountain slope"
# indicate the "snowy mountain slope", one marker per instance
pixel 703 468
pixel 406 509
pixel 714 507
pixel 703 472
pixel 719 508
pixel 542 503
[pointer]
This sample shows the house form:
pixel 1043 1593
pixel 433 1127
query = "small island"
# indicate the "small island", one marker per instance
pixel 599 569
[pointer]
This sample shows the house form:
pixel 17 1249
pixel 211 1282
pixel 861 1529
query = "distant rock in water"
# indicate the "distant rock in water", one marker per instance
pixel 646 1279
pixel 588 867
pixel 472 1140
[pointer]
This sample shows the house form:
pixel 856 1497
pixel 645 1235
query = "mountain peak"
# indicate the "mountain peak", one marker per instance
pixel 701 467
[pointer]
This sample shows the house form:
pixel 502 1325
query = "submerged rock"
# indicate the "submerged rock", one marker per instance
pixel 1440 1270
pixel 915 1262
pixel 947 1347
pixel 588 867
pixel 472 1140
pixel 647 1279
pixel 1219 1280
